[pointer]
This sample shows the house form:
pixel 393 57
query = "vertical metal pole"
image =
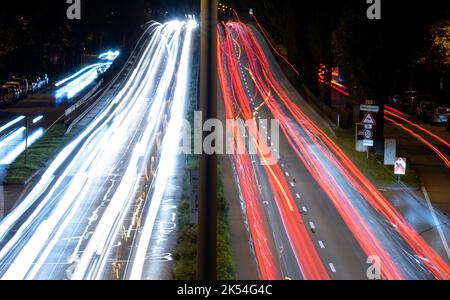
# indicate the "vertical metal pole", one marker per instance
pixel 26 139
pixel 207 223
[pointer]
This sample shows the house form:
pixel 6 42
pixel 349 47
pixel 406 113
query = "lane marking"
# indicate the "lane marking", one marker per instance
pixel 321 245
pixel 333 269
pixel 436 221
pixel 312 225
pixel 298 196
pixel 287 174
pixel 304 209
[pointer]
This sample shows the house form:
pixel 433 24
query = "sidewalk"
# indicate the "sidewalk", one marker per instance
pixel 244 260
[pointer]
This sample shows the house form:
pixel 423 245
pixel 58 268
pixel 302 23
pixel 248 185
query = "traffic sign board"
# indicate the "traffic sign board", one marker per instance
pixel 368 143
pixel 400 166
pixel 371 108
pixel 390 152
pixel 369 119
pixel 368 134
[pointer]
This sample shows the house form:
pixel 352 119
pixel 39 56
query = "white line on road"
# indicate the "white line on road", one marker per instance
pixel 333 269
pixel 321 245
pixel 304 209
pixel 298 196
pixel 312 225
pixel 436 221
pixel 292 184
pixel 287 174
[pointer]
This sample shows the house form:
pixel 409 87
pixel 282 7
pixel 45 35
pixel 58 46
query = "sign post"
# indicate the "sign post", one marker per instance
pixel 207 209
pixel 368 122
pixel 26 140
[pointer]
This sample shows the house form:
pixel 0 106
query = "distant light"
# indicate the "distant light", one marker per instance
pixel 77 74
pixel 38 119
pixel 110 55
pixel 192 24
pixel 173 23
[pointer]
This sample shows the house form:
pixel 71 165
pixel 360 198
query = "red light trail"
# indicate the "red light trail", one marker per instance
pixel 267 86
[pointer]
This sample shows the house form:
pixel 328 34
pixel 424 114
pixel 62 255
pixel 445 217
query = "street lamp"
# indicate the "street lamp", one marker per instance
pixel 207 215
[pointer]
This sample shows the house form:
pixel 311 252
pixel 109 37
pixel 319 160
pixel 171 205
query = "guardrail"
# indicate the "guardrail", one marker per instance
pixel 74 108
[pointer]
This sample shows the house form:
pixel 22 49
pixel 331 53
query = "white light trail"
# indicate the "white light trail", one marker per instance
pixel 11 137
pixel 168 155
pixel 38 119
pixel 13 154
pixel 46 179
pixel 114 121
pixel 100 243
pixel 84 70
pixel 12 123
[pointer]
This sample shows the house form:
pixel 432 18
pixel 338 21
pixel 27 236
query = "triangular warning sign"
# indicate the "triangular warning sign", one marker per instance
pixel 368 119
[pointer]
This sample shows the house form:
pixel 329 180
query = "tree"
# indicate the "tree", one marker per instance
pixel 323 22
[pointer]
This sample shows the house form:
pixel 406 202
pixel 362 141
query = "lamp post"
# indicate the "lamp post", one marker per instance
pixel 207 215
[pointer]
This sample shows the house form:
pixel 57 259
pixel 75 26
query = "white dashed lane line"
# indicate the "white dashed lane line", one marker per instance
pixel 305 209
pixel 287 174
pixel 333 269
pixel 298 196
pixel 322 246
pixel 312 225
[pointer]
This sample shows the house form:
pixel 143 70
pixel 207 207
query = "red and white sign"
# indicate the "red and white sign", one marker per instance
pixel 400 166
pixel 369 119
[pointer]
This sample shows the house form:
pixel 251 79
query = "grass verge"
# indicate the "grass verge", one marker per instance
pixel 39 154
pixel 186 250
pixel 373 168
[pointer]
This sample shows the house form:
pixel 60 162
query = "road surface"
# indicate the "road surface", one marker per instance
pixel 92 213
pixel 312 214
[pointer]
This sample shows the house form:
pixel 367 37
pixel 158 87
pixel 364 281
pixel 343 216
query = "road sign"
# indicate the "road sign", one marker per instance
pixel 390 152
pixel 368 143
pixel 369 108
pixel 369 119
pixel 368 134
pixel 359 138
pixel 195 188
pixel 400 166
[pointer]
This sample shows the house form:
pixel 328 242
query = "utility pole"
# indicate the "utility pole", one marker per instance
pixel 26 140
pixel 207 215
